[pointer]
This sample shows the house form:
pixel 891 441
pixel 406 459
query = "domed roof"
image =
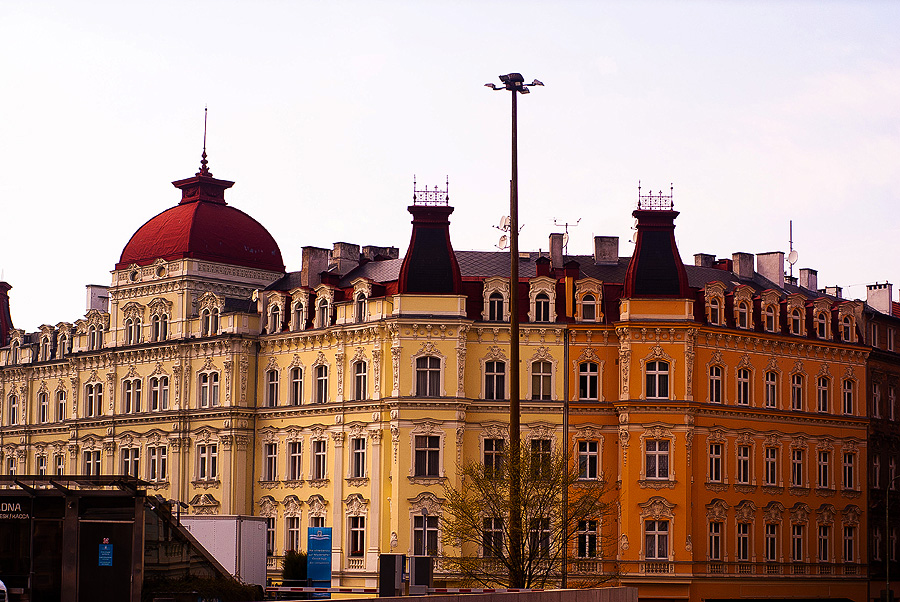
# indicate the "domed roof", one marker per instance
pixel 203 226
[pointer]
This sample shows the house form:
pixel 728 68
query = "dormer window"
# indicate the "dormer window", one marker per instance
pixel 95 337
pixel 743 315
pixel 209 322
pixel 588 308
pixel 821 325
pixel 159 327
pixel 770 318
pixel 322 314
pixel 299 320
pixel 495 307
pixel 62 349
pixel 14 352
pixel 132 332
pixel 45 348
pixel 274 319
pixel 796 321
pixel 847 329
pixel 542 308
pixel 714 311
pixel 361 305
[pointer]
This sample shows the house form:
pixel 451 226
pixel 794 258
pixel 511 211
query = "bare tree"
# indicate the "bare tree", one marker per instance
pixel 475 528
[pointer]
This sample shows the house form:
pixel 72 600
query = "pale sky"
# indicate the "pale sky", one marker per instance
pixel 322 113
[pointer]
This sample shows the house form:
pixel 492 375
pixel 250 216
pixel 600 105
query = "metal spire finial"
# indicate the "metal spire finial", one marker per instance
pixel 204 169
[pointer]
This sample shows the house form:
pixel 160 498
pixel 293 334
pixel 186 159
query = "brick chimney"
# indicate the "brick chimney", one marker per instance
pixel 556 250
pixel 771 267
pixel 742 264
pixel 704 260
pixel 879 296
pixel 809 279
pixel 606 250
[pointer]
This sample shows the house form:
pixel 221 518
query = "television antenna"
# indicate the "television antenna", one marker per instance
pixel 792 254
pixel 566 233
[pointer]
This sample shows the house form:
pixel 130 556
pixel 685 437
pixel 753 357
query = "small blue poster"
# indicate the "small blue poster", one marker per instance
pixel 106 550
pixel 318 559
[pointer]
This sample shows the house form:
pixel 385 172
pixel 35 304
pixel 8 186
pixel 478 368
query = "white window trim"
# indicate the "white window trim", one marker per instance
pixel 494 354
pixel 589 286
pixel 426 428
pixel 491 286
pixel 657 354
pixel 428 350
pixel 541 354
pixel 657 508
pixel 536 286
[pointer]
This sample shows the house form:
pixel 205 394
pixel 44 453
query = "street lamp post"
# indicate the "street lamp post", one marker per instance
pixel 515 83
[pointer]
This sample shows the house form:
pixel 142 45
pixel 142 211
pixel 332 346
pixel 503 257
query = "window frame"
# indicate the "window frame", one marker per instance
pixel 654 532
pixel 427 455
pixel 823 386
pixel 296 384
pixel 429 374
pixel 319 460
pixel 715 384
pixel 656 454
pixel 744 473
pixel 495 380
pixel 589 459
pixel 272 387
pixel 360 380
pixel 659 377
pixel 541 380
pixel 207 462
pixel 744 389
pixel 358 458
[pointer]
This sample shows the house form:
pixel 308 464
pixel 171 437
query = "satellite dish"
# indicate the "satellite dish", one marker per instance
pixel 504 242
pixel 565 239
pixel 792 257
pixel 504 223
pixel 634 237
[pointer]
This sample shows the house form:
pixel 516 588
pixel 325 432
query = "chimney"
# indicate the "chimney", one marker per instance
pixel 5 318
pixel 834 291
pixel 742 264
pixel 373 253
pixel 606 250
pixel 344 257
pixel 771 267
pixel 97 297
pixel 314 261
pixel 704 260
pixel 879 296
pixel 542 266
pixel 556 250
pixel 809 279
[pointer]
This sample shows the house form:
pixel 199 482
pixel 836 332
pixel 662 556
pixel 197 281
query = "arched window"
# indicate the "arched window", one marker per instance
pixel 542 308
pixel 271 388
pixel 796 321
pixel 204 323
pixel 95 337
pixel 45 349
pixel 771 389
pixel 821 325
pixel 588 308
pixel 743 315
pixel 296 386
pixel 159 393
pixel 43 407
pixel 823 383
pixel 13 405
pixel 14 352
pixel 214 322
pixel 322 384
pixel 61 405
pixel 847 329
pixel 131 390
pixel 159 327
pixel 770 318
pixel 359 381
pixel 796 391
pixel 714 311
pixel 588 382
pixel 428 376
pixel 93 399
pixel 322 314
pixel 743 386
pixel 495 307
pixel 541 380
pixel 361 308
pixel 299 321
pixel 275 320
pixel 132 332
pixel 63 346
pixel 715 384
pixel 657 380
pixel 847 395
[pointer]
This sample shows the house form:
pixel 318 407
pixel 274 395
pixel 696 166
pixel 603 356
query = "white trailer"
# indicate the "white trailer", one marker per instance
pixel 237 542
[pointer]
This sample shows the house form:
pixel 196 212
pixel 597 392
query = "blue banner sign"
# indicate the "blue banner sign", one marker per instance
pixel 106 551
pixel 318 558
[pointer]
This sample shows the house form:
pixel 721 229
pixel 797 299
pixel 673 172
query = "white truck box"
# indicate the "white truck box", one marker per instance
pixel 237 542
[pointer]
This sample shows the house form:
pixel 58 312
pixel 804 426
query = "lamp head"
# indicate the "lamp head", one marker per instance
pixel 512 78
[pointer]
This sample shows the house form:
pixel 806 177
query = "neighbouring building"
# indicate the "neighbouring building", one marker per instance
pixel 748 421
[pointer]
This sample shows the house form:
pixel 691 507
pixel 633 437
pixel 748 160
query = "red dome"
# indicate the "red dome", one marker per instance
pixel 202 226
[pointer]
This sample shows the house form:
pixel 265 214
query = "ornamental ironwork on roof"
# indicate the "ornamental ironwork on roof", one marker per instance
pixel 434 196
pixel 655 202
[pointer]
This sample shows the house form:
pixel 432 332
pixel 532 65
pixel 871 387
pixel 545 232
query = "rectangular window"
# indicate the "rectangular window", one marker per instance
pixel 587 539
pixel 270 461
pixel 159 393
pixel 428 453
pixel 44 407
pixel 321 384
pixel 849 470
pixel 876 400
pixel 92 463
pixel 824 460
pixel 892 403
pixel 822 385
pixel 493 456
pixel 743 387
pixel 494 380
pixel 42 465
pixel 357 536
pixel 771 542
pixel 849 544
pixel 771 466
pixel 539 537
pixel 358 459
pixel 541 373
pixel 294 460
pixel 771 390
pixel 540 458
pixel 61 405
pixel 158 470
pixel 715 541
pixel 587 459
pixel 359 381
pixel 715 462
pixel 425 535
pixel 656 540
pixel 293 533
pixel 131 458
pixel 824 540
pixel 890 339
pixel 743 464
pixel 316 521
pixel 209 389
pixel 318 453
pixel 132 394
pixel 743 542
pixel 11 466
pixel 715 384
pixel 207 462
pixel 796 391
pixel 847 396
pixel 588 381
pixel 428 376
pixel 271 388
pixel 60 462
pixel 492 538
pixel 797 479
pixel 656 453
pixel 270 536
pixel 657 380
pixel 876 472
pixel 296 386
pixel 797 533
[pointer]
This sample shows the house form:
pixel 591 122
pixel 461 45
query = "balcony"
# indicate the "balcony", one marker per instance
pixel 356 564
pixel 657 568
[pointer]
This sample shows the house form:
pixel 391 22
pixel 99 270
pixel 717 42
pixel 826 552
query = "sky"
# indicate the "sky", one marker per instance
pixel 323 113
